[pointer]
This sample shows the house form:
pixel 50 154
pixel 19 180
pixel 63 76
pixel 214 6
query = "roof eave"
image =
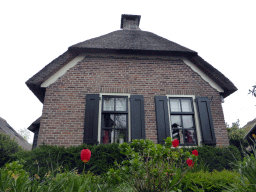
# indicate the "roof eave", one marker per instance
pixel 34 125
pixel 38 91
pixel 215 75
pixel 132 51
pixel 34 83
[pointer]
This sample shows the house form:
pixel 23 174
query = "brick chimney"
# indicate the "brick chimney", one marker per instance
pixel 130 22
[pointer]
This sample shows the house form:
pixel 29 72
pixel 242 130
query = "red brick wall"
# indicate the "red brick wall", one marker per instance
pixel 64 105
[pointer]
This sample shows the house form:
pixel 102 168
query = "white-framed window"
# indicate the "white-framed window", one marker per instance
pixel 183 118
pixel 106 118
pixel 114 118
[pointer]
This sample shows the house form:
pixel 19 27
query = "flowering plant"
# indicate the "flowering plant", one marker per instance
pixel 85 156
pixel 175 143
pixel 190 162
pixel 195 152
pixel 154 167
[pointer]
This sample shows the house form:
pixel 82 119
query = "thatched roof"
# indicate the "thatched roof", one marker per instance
pixel 250 129
pixel 133 40
pixel 130 40
pixel 35 125
pixel 8 130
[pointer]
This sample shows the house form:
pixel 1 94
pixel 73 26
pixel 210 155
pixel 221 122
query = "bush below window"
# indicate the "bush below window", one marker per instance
pixel 47 158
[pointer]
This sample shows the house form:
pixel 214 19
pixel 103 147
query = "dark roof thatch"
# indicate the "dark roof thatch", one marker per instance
pixel 214 74
pixel 131 40
pixel 35 125
pixel 8 130
pixel 251 128
pixel 34 82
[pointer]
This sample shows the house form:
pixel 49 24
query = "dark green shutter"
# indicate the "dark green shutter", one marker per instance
pixel 91 119
pixel 137 117
pixel 205 119
pixel 162 118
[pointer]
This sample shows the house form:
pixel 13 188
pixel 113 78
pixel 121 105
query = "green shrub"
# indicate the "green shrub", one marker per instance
pixel 217 158
pixel 14 178
pixel 8 147
pixel 247 170
pixel 48 158
pixel 236 137
pixel 153 168
pixel 209 181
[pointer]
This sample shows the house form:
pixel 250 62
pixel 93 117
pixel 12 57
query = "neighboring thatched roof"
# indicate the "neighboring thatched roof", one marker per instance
pixel 8 130
pixel 130 40
pixel 250 128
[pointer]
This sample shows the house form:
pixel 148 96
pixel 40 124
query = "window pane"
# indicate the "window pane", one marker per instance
pixel 175 121
pixel 108 104
pixel 120 121
pixel 120 104
pixel 106 136
pixel 190 136
pixel 175 105
pixel 177 134
pixel 187 121
pixel 186 105
pixel 108 120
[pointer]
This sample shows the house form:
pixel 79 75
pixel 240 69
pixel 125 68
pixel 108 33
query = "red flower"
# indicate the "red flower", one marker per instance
pixel 175 143
pixel 85 155
pixel 190 162
pixel 195 152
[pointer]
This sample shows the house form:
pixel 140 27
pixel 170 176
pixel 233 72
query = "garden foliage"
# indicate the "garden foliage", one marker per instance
pixel 14 178
pixel 136 166
pixel 8 147
pixel 236 136
pixel 247 171
pixel 217 158
pixel 209 181
pixel 154 167
pixel 46 157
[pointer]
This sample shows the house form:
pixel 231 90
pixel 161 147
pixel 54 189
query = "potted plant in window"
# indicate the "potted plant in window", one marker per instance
pixel 121 138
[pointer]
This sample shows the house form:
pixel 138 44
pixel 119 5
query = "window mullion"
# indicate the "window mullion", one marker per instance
pixel 113 129
pixel 182 129
pixel 115 104
pixel 180 105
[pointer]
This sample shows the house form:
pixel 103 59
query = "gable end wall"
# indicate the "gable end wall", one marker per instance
pixel 62 121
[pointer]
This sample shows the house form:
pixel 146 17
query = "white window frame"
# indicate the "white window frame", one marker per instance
pixel 196 118
pixel 100 112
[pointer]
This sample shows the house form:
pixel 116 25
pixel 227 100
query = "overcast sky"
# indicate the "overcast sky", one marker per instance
pixel 33 33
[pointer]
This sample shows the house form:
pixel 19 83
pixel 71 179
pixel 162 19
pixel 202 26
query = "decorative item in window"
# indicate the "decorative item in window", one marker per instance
pixel 106 137
pixel 121 138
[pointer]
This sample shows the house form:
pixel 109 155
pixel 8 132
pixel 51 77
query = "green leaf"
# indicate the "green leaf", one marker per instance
pixel 70 187
pixel 82 187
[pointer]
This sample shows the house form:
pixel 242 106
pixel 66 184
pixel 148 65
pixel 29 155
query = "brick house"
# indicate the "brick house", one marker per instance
pixel 130 84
